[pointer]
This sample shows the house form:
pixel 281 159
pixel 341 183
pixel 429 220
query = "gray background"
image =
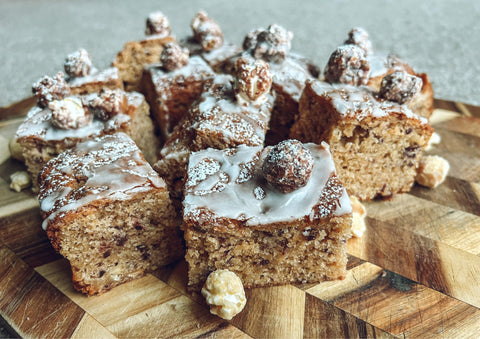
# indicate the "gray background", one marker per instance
pixel 441 38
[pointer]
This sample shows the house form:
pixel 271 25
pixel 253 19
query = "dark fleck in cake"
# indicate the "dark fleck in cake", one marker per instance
pixel 108 213
pixel 59 122
pixel 223 117
pixel 272 216
pixel 171 91
pixel 137 54
pixel 376 144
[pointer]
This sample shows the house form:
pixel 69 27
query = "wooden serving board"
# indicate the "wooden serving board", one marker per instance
pixel 415 272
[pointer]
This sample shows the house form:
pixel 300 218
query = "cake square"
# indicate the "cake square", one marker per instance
pixel 235 219
pixel 376 144
pixel 41 138
pixel 216 120
pixel 96 81
pixel 135 56
pixel 171 93
pixel 108 213
pixel 383 64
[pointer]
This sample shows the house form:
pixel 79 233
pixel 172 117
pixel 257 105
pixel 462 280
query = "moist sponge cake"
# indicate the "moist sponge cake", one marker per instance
pixel 272 216
pixel 376 144
pixel 108 213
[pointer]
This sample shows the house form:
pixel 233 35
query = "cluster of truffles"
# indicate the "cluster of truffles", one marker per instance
pixel 204 94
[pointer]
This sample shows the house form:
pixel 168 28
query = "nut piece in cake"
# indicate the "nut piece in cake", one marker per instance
pixel 359 213
pixel 108 213
pixel 69 113
pixel 234 219
pixel 359 36
pixel 173 56
pixel 157 24
pixel 78 64
pixel 138 54
pixel 170 93
pixel 288 166
pixel 15 149
pixel 48 89
pixel 400 87
pixel 432 171
pixel 376 144
pixel 48 131
pixel 207 42
pixel 215 120
pixel 348 64
pixel 206 31
pixel 224 293
pixel 253 80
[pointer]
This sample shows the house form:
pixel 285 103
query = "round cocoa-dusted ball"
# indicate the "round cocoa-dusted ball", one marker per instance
pixel 348 64
pixel 174 56
pixel 272 44
pixel 400 87
pixel 206 31
pixel 288 166
pixel 78 63
pixel 359 36
pixel 157 24
pixel 107 103
pixel 69 113
pixel 48 89
pixel 253 79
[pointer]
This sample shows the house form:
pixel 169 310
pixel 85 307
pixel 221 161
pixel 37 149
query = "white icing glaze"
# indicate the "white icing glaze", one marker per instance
pixel 110 167
pixel 290 76
pixel 95 76
pixel 361 102
pixel 196 69
pixel 38 123
pixel 244 199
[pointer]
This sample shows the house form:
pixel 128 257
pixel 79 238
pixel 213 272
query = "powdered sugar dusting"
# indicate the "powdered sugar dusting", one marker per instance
pixel 255 201
pixel 111 167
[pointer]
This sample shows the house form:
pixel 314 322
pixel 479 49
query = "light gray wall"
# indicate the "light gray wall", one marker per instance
pixel 441 38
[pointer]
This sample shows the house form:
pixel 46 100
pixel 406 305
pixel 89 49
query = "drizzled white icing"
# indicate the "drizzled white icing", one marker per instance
pixel 105 75
pixel 253 200
pixel 291 76
pixel 361 102
pixel 38 123
pixel 111 167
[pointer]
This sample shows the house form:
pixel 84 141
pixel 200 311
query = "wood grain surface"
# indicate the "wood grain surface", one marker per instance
pixel 415 272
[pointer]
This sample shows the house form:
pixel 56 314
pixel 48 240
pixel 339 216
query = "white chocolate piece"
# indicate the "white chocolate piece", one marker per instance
pixel 224 293
pixel 20 180
pixel 432 171
pixel 435 139
pixel 358 215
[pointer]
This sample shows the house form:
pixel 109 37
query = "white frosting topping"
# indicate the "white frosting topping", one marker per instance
pixel 219 112
pixel 230 184
pixel 38 123
pixel 111 167
pixel 196 68
pixel 95 76
pixel 361 102
pixel 290 76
